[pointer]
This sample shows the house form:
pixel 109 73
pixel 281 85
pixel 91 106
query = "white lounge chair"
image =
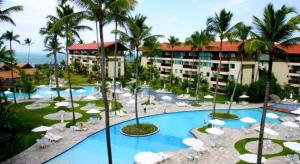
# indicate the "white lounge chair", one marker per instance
pixel 181 104
pixel 53 138
pixel 121 114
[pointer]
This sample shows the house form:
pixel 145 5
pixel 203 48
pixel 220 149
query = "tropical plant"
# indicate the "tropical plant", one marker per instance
pixel 11 37
pixel 4 58
pixel 276 27
pixel 5 14
pixel 220 25
pixel 173 41
pixel 26 83
pixel 28 42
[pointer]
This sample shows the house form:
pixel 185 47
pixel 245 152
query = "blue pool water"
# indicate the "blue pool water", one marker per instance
pixel 173 128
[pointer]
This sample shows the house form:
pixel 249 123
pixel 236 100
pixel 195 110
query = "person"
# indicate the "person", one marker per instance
pixel 145 108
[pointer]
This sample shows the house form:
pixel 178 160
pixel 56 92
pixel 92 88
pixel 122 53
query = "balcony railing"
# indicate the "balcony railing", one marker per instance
pixel 165 73
pixel 294 81
pixel 166 56
pixel 221 69
pixel 223 58
pixel 220 79
pixel 166 64
pixel 294 71
pixel 187 75
pixel 189 66
pixel 190 57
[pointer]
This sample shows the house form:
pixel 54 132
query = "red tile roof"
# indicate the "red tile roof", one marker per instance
pixel 90 46
pixel 293 50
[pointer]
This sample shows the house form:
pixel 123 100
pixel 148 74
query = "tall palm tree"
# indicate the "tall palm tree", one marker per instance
pixel 28 42
pixel 5 14
pixel 173 41
pixel 68 21
pixel 199 41
pixel 52 35
pixel 11 37
pixel 242 33
pixel 137 33
pixel 5 58
pixel 99 11
pixel 118 14
pixel 220 25
pixel 276 27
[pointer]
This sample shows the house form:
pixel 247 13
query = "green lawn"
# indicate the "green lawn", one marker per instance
pixel 35 118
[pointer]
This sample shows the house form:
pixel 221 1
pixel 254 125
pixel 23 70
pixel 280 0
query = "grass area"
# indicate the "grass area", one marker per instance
pixel 240 147
pixel 221 115
pixel 35 118
pixel 202 129
pixel 79 80
pixel 142 129
pixel 196 105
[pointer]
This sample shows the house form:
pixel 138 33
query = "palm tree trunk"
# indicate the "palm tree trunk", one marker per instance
pixel 263 117
pixel 28 53
pixel 115 67
pixel 12 73
pixel 198 77
pixel 103 90
pixel 150 72
pixel 56 75
pixel 235 85
pixel 136 86
pixel 217 78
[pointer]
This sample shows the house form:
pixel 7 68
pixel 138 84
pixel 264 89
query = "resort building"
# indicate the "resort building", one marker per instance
pixel 5 74
pixel 186 63
pixel 86 54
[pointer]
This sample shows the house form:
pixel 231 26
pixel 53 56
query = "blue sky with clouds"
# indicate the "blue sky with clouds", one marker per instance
pixel 167 17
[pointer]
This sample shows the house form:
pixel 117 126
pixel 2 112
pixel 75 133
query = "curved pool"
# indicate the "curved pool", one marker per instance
pixel 173 128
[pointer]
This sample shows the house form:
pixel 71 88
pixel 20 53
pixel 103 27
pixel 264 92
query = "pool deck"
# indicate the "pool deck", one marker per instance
pixel 36 155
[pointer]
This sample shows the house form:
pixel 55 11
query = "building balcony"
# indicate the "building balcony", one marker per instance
pixel 223 58
pixel 189 66
pixel 186 75
pixel 221 69
pixel 190 57
pixel 166 64
pixel 294 81
pixel 294 71
pixel 222 80
pixel 165 73
pixel 166 56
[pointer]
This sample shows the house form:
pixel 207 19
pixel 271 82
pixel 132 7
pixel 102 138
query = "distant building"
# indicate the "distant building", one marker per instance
pixel 86 55
pixel 185 64
pixel 5 74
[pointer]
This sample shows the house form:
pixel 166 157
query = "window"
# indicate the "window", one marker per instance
pixel 180 71
pixel 205 55
pixel 207 74
pixel 232 66
pixel 176 70
pixel 231 77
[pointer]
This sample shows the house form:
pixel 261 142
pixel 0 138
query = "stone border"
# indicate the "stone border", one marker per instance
pixel 145 135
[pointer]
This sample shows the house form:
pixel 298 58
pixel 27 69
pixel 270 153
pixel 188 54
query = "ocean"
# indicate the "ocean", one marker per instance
pixel 37 58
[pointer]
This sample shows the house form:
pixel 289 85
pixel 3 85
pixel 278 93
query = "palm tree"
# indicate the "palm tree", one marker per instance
pixel 26 83
pixel 118 14
pixel 5 14
pixel 241 32
pixel 68 22
pixel 276 27
pixel 52 36
pixel 220 25
pixel 173 41
pixel 11 37
pixel 199 41
pixel 137 33
pixel 5 55
pixel 28 42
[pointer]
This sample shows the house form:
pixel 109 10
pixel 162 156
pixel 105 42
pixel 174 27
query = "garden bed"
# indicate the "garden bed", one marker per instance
pixel 144 129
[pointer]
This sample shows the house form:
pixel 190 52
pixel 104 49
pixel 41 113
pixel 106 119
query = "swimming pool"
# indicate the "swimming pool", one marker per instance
pixel 173 128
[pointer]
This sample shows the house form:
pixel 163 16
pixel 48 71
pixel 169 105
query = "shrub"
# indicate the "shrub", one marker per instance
pixel 59 99
pixel 224 115
pixel 142 129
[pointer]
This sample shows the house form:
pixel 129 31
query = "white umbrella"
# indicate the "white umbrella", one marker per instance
pixel 7 92
pixel 296 111
pixel 90 97
pixel 272 115
pixel 215 131
pixel 147 158
pixel 63 103
pixel 93 111
pixel 248 120
pixel 244 97
pixel 292 145
pixel 61 112
pixel 251 158
pixel 41 129
pixel 290 124
pixel 166 98
pixel 297 118
pixel 81 91
pixel 36 96
pixel 217 122
pixel 193 142
pixel 126 95
pixel 208 97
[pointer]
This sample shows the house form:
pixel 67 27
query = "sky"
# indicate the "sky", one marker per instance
pixel 166 17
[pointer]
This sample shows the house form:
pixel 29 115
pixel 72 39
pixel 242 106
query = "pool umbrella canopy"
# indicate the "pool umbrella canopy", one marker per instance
pixel 81 90
pixel 36 96
pixel 193 142
pixel 7 92
pixel 90 97
pixel 166 98
pixel 244 97
pixel 290 124
pixel 292 145
pixel 272 115
pixel 63 103
pixel 297 118
pixel 208 97
pixel 217 122
pixel 147 158
pixel 215 131
pixel 41 129
pixel 126 95
pixel 93 111
pixel 248 120
pixel 251 158
pixel 296 111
